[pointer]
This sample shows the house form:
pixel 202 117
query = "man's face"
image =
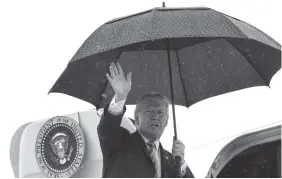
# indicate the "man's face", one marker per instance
pixel 152 117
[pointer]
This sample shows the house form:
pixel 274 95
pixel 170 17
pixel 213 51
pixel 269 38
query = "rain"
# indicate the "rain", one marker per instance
pixel 43 38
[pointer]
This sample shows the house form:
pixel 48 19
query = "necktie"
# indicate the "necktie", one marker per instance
pixel 153 156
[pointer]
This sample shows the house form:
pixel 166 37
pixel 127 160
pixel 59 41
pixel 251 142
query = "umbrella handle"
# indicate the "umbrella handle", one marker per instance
pixel 177 163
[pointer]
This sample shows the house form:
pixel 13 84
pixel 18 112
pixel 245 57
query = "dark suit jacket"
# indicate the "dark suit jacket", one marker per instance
pixel 126 155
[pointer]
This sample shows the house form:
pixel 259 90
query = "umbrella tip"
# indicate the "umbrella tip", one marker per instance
pixel 163 4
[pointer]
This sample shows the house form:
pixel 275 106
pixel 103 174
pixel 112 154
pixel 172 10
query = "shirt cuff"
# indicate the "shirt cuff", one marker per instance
pixel 116 108
pixel 183 169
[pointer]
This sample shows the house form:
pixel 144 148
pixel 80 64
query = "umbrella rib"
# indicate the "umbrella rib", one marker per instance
pixel 182 80
pixel 239 50
pixel 260 75
pixel 247 24
pixel 234 25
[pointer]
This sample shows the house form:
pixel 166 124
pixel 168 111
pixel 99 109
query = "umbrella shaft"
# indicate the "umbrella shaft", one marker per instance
pixel 171 87
pixel 177 158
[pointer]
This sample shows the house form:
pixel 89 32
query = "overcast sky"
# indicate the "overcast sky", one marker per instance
pixel 38 38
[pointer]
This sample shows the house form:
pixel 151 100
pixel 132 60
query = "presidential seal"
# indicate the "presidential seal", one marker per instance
pixel 60 147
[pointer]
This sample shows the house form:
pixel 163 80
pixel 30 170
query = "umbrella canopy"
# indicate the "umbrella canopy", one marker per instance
pixel 204 52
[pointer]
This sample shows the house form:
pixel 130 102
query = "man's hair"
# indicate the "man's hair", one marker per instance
pixel 150 95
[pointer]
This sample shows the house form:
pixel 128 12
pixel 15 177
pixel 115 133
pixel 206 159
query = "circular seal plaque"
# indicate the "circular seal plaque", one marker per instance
pixel 60 147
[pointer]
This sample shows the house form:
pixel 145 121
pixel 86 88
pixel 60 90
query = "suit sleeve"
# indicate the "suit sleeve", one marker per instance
pixel 109 131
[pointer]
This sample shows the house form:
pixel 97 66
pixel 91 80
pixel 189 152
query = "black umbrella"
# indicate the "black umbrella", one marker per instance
pixel 187 54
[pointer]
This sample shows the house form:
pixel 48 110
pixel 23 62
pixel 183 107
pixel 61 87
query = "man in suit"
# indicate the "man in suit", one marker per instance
pixel 139 154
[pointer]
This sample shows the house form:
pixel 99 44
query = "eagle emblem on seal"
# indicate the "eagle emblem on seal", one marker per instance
pixel 60 146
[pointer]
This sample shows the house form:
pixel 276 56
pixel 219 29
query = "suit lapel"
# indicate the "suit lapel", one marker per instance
pixel 146 152
pixel 141 144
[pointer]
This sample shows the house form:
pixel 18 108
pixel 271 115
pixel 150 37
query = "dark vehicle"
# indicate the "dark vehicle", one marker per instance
pixel 254 155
